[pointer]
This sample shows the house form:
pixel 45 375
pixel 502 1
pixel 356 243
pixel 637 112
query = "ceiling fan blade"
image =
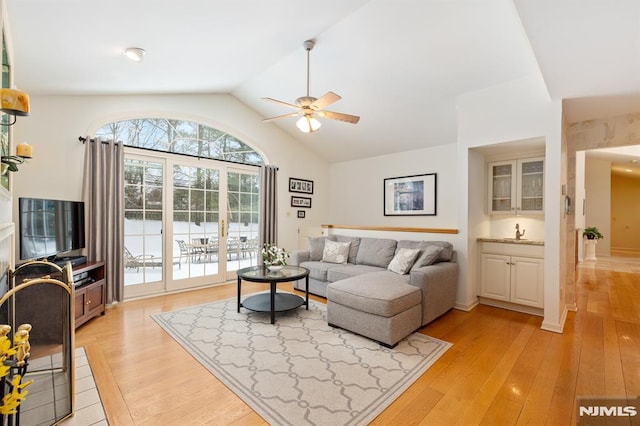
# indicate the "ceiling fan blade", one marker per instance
pixel 324 100
pixel 287 104
pixel 353 119
pixel 278 117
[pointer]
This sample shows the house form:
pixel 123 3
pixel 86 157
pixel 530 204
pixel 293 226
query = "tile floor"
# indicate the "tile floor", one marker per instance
pixel 39 411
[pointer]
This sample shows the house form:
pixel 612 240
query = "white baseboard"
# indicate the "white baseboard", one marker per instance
pixel 466 307
pixel 556 328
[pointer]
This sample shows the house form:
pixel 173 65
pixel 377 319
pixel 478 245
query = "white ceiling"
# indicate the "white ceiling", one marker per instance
pixel 399 64
pixel 624 160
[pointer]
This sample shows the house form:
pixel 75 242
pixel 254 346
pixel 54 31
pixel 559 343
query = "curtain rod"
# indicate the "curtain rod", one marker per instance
pixel 83 140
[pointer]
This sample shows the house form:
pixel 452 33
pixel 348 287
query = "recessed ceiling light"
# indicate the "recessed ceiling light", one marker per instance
pixel 134 53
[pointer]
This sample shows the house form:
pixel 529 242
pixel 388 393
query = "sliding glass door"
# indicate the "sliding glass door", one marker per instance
pixel 187 223
pixel 143 224
pixel 242 219
pixel 196 226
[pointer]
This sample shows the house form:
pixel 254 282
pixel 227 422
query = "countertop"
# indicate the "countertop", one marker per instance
pixel 511 241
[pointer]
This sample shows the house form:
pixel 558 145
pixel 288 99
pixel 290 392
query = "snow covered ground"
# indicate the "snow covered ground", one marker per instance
pixel 144 238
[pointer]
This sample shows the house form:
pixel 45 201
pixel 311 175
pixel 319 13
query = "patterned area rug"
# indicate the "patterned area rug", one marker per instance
pixel 300 371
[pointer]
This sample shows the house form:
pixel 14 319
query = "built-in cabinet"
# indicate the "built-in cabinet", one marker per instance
pixel 516 186
pixel 512 276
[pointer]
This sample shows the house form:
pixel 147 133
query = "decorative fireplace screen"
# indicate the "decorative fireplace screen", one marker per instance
pixel 41 294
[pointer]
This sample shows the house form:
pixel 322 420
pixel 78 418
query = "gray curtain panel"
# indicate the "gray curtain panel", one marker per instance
pixel 103 196
pixel 268 205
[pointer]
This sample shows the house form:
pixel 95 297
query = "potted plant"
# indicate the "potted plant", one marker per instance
pixel 592 233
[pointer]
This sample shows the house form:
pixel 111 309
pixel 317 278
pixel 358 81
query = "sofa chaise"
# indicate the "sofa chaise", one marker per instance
pixel 380 288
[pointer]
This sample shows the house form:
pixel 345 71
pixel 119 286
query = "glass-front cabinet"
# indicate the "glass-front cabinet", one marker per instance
pixel 516 186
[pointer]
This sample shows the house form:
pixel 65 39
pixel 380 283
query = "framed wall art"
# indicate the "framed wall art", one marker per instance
pixel 301 214
pixel 304 202
pixel 410 195
pixel 301 185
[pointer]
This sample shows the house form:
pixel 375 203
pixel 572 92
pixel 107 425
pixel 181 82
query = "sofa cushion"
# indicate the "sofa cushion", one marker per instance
pixel 428 256
pixel 445 255
pixel 403 260
pixel 355 245
pixel 316 246
pixel 335 252
pixel 376 252
pixel 348 271
pixel 381 293
pixel 318 270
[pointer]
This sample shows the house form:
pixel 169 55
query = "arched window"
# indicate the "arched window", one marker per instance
pixel 187 222
pixel 181 137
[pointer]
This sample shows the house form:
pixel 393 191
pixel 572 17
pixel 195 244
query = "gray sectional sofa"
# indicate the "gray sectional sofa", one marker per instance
pixel 380 288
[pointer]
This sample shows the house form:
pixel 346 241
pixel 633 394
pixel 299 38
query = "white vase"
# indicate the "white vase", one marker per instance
pixel 275 268
pixel 590 249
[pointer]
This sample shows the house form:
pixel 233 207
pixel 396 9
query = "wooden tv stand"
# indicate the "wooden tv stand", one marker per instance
pixel 90 296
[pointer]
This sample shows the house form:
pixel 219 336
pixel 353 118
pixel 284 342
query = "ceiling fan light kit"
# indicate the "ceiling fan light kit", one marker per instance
pixel 307 106
pixel 308 124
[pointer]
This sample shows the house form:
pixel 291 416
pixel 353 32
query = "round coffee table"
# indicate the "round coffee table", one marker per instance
pixel 273 301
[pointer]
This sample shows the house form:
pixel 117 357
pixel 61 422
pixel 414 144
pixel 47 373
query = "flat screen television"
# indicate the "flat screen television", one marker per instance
pixel 50 227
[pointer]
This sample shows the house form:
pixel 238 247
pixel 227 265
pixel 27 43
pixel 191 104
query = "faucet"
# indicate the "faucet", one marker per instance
pixel 518 233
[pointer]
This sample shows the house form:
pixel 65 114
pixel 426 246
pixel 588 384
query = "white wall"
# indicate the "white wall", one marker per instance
pixel 514 111
pixel 598 201
pixel 357 194
pixel 56 122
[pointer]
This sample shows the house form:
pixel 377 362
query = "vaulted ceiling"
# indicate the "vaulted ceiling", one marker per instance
pixel 399 64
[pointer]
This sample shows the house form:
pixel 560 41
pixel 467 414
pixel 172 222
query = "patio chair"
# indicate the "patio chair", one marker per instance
pixel 141 260
pixel 185 250
pixel 212 247
pixel 233 247
pixel 250 246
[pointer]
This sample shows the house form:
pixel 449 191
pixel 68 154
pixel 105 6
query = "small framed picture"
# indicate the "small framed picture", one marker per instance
pixel 304 202
pixel 410 195
pixel 301 185
pixel 301 214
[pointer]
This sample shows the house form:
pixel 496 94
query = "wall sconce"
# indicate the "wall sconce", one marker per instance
pixel 14 102
pixel 10 162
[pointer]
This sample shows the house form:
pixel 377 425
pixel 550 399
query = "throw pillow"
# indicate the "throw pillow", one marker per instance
pixel 335 252
pixel 429 256
pixel 316 247
pixel 353 250
pixel 403 260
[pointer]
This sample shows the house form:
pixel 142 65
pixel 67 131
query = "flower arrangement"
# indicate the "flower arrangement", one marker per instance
pixel 16 355
pixel 272 255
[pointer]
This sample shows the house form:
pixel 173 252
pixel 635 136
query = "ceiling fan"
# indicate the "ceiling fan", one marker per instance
pixel 308 106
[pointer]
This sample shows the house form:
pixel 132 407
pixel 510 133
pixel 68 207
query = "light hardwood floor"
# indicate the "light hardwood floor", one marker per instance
pixel 502 369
